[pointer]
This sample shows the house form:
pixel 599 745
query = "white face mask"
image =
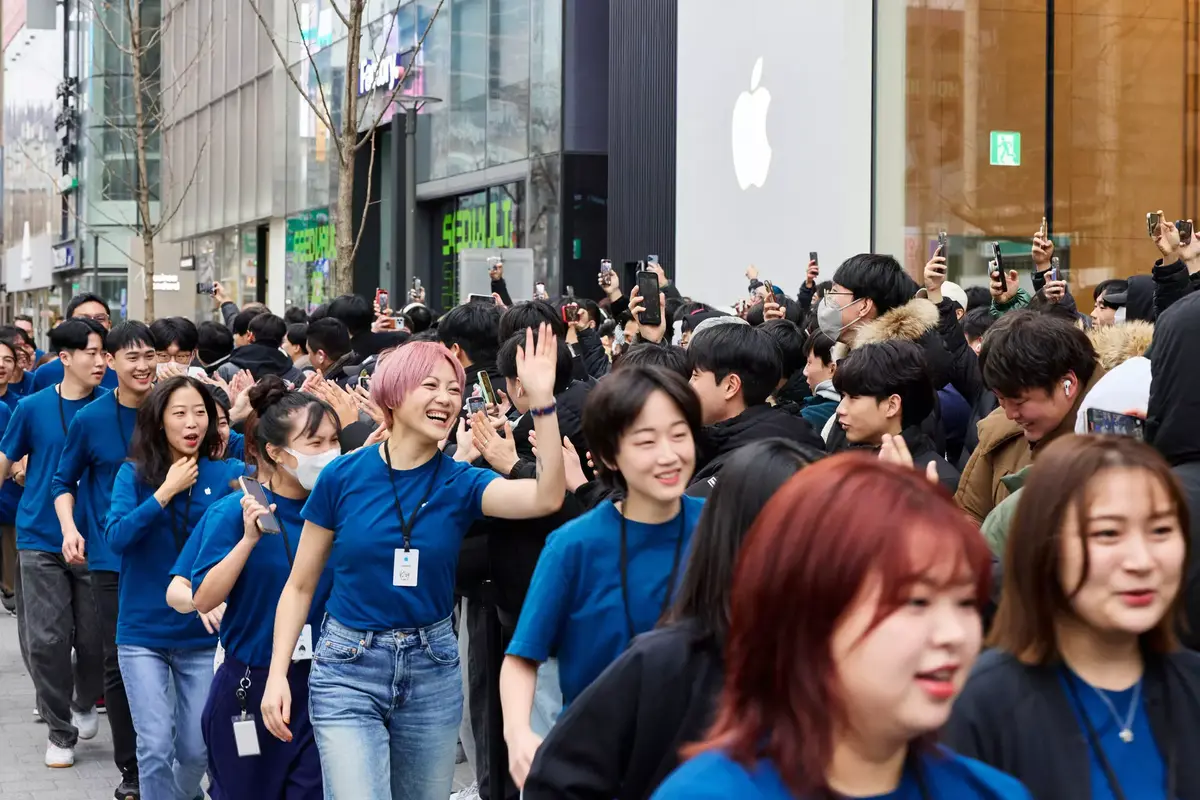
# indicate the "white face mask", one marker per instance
pixel 309 466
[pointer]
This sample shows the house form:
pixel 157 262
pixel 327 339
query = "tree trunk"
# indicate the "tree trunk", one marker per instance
pixel 133 13
pixel 344 227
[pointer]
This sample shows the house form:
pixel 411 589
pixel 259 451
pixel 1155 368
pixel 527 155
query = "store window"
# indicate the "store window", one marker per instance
pixel 310 254
pixel 985 156
pixel 492 218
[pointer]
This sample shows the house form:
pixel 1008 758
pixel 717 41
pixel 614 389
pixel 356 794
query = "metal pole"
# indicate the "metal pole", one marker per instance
pixel 410 199
pixel 96 263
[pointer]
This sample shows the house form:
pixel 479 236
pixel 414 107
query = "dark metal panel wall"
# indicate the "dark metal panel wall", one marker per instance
pixel 641 130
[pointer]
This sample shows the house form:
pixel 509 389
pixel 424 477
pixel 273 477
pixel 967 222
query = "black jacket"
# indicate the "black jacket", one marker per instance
pixel 755 423
pixel 1019 719
pixel 591 351
pixel 372 344
pixel 922 450
pixel 621 737
pixel 1172 283
pixel 261 360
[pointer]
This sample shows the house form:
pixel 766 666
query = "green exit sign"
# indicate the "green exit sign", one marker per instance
pixel 1006 149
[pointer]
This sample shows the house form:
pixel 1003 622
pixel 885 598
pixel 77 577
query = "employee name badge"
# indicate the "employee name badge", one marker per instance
pixel 303 651
pixel 404 571
pixel 245 735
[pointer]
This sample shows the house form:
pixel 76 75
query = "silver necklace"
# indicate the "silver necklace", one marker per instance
pixel 1126 727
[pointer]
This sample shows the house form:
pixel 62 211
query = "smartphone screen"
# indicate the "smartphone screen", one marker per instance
pixel 381 299
pixel 812 256
pixel 204 288
pixel 647 283
pixel 605 266
pixel 998 270
pixel 485 387
pixel 267 523
pixel 943 243
pixel 1152 220
pixel 1054 269
pixel 1116 424
pixel 1185 231
pixel 475 405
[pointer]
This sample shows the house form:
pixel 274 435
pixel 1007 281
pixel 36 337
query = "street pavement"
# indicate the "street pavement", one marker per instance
pixel 23 775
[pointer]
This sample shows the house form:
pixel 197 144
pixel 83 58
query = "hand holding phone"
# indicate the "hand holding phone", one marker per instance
pixel 1115 424
pixel 1184 226
pixel 485 387
pixel 1152 221
pixel 943 244
pixel 382 300
pixel 647 286
pixel 268 522
pixel 998 275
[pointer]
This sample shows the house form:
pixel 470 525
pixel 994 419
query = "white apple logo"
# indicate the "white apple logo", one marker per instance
pixel 751 150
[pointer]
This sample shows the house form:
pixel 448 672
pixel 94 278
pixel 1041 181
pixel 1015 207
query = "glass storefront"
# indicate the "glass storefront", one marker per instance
pixel 491 218
pixel 1011 112
pixel 310 254
pixel 231 258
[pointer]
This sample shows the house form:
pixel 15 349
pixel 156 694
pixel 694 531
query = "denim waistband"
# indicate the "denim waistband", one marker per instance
pixel 402 637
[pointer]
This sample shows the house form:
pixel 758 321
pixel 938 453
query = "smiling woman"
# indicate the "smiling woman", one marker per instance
pixel 1085 637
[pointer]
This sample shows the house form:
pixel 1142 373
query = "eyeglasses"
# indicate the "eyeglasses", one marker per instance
pixel 101 318
pixel 182 357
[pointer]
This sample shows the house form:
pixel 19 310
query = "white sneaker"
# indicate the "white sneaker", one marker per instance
pixel 37 716
pixel 469 793
pixel 87 722
pixel 59 757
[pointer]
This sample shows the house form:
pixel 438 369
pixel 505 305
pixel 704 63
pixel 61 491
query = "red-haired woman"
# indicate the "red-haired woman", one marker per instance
pixel 854 623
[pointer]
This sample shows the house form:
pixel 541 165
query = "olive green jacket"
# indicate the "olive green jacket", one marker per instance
pixel 996 525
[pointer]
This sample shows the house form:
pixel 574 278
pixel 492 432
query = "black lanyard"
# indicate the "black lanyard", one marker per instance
pixel 181 537
pixel 121 427
pixel 287 546
pixel 666 601
pixel 62 413
pixel 1094 740
pixel 407 525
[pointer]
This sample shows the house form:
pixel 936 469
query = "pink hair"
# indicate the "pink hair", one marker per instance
pixel 401 370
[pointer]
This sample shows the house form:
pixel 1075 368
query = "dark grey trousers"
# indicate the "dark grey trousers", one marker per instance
pixel 56 612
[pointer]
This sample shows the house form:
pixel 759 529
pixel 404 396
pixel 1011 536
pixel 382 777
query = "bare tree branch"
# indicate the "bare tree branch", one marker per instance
pixel 166 217
pixel 408 72
pixel 324 118
pixel 362 223
pixel 317 74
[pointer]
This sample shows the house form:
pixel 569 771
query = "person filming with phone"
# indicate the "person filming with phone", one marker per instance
pixel 246 554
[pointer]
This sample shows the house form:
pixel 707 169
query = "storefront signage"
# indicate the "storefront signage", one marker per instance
pixel 383 74
pixel 166 283
pixel 64 256
pixel 489 225
pixel 310 237
pixel 187 262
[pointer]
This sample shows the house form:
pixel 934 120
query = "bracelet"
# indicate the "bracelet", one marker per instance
pixel 544 412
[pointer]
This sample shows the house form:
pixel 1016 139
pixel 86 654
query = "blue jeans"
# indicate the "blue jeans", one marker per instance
pixel 170 746
pixel 385 708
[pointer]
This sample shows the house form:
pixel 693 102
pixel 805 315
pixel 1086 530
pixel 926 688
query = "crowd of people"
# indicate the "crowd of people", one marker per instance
pixel 882 538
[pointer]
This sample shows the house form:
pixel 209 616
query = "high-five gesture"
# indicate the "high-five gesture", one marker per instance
pixel 537 365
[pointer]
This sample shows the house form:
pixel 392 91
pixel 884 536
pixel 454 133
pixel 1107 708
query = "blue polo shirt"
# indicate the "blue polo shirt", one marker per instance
pixel 1138 764
pixel 149 539
pixel 248 627
pixel 574 608
pixel 10 494
pixel 96 447
pixel 713 775
pixel 38 429
pixel 51 373
pixel 353 498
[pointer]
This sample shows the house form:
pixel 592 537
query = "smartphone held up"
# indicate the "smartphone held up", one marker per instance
pixel 267 523
pixel 998 267
pixel 647 286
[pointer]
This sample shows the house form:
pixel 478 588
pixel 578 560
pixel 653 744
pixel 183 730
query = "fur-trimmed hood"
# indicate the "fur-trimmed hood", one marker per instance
pixel 1116 344
pixel 910 321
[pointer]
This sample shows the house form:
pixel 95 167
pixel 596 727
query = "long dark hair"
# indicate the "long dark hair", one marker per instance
pixel 270 420
pixel 149 450
pixel 749 478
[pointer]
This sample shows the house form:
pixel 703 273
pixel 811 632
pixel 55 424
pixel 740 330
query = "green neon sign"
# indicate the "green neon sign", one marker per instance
pixel 484 226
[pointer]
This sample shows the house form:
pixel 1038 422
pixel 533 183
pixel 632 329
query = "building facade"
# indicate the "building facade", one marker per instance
pixel 900 120
pixel 509 150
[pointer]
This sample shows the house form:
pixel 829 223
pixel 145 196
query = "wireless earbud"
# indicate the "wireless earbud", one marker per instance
pixel 1067 388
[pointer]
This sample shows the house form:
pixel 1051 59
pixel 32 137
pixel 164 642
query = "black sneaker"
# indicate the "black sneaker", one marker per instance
pixel 128 790
pixel 9 601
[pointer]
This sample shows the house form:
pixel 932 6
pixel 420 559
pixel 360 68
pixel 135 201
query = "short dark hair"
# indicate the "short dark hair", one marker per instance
pixel 648 354
pixel 891 367
pixel 213 341
pixel 1028 350
pixel 297 334
pixel 148 450
pixel 790 341
pixel 615 403
pixel 475 327
pixel 419 317
pixel 320 312
pixel 268 329
pixel 878 278
pixel 607 328
pixel 127 334
pixel 506 360
pixel 241 320
pixel 277 412
pixel 1110 286
pixel 978 297
pixel 821 346
pixel 178 331
pixel 73 334
pixel 530 314
pixel 354 311
pixel 977 321
pixel 739 350
pixel 23 318
pixel 295 315
pixel 85 297
pixel 329 334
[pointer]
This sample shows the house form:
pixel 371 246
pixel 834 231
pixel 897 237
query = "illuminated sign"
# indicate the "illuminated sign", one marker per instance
pixel 384 74
pixel 489 225
pixel 310 237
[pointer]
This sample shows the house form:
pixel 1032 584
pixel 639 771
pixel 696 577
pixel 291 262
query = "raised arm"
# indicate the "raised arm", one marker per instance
pixel 537 366
pixel 213 587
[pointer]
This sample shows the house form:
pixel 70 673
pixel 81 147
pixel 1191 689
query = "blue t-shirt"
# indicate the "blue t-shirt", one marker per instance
pixel 574 607
pixel 10 494
pixel 22 388
pixel 96 447
pixel 51 373
pixel 248 627
pixel 149 540
pixel 236 448
pixel 38 429
pixel 714 775
pixel 1137 764
pixel 353 498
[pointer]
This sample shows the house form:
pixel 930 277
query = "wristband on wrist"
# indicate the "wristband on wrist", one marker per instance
pixel 545 411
